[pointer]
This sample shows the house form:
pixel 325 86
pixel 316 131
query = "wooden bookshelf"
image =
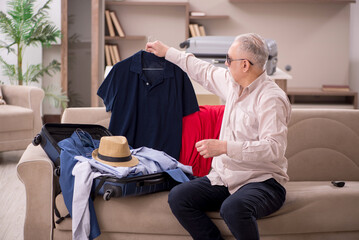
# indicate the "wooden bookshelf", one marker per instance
pixel 176 13
pixel 136 32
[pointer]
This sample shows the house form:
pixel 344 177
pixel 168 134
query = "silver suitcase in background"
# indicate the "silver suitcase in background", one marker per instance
pixel 214 49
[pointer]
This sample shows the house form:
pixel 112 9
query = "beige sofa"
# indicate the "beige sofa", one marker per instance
pixel 20 118
pixel 323 145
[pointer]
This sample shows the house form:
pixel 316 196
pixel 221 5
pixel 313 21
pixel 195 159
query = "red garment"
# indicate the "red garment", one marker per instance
pixel 204 124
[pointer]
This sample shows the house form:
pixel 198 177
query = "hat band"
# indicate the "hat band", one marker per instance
pixel 114 159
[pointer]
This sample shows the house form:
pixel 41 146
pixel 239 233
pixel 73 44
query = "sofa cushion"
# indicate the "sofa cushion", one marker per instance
pixel 323 145
pixel 305 211
pixel 15 118
pixel 315 207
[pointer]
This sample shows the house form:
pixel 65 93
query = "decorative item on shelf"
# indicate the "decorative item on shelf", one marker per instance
pixel 197 14
pixel 197 30
pixel 112 54
pixel 335 88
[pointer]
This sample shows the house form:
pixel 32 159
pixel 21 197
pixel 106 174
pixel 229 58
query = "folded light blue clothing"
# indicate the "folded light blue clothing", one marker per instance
pixel 150 161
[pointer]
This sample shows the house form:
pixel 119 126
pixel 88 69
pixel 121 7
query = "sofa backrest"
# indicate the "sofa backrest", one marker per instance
pixel 87 115
pixel 323 144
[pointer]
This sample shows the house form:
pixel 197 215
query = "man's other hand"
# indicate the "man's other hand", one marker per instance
pixel 211 147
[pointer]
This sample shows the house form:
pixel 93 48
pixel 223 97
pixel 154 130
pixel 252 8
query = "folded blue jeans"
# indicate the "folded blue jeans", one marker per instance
pixel 190 200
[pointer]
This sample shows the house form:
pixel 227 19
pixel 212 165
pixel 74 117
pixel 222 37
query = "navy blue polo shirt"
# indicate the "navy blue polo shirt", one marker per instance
pixel 148 105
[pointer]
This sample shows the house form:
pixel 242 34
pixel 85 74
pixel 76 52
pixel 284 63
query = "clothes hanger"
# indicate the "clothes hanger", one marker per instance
pixel 149 39
pixel 152 69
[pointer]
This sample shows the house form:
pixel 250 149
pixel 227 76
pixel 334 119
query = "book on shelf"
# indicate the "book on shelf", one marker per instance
pixel 109 23
pixel 112 54
pixel 197 14
pixel 335 88
pixel 117 54
pixel 202 31
pixel 197 30
pixel 107 55
pixel 192 31
pixel 117 24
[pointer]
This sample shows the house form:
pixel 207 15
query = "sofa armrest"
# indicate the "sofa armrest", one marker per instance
pixel 27 97
pixel 87 115
pixel 35 170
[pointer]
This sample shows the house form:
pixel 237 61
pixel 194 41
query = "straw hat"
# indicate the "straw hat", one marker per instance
pixel 114 151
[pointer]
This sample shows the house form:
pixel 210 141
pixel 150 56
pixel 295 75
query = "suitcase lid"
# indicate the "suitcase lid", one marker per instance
pixel 209 46
pixel 59 131
pixel 217 46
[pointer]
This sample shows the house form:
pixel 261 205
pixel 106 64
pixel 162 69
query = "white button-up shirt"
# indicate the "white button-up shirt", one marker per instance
pixel 254 124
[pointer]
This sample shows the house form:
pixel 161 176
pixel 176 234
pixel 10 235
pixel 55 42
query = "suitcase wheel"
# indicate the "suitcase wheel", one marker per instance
pixel 107 195
pixel 37 140
pixel 57 172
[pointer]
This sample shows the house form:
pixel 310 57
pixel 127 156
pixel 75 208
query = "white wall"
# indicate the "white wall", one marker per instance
pixel 354 47
pixel 312 37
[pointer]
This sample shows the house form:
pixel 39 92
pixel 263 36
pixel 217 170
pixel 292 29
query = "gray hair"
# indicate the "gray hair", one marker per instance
pixel 255 48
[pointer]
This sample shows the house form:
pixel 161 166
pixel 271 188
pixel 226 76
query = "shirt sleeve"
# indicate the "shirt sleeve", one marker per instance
pixel 273 117
pixel 108 89
pixel 214 79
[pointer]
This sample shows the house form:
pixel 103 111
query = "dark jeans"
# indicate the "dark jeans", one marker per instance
pixel 190 200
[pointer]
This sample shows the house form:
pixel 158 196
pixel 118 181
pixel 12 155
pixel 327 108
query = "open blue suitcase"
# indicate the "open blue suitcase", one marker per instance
pixel 52 133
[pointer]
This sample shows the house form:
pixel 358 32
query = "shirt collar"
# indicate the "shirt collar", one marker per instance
pixel 257 82
pixel 136 64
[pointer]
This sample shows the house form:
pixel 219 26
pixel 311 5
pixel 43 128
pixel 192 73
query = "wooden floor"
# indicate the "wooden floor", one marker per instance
pixel 12 198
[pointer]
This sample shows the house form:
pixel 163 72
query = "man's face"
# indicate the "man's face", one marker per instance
pixel 235 67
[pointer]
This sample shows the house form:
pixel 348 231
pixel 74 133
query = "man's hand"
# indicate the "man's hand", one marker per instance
pixel 211 147
pixel 157 48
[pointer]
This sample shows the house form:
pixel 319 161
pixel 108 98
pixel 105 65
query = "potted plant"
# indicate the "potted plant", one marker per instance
pixel 24 27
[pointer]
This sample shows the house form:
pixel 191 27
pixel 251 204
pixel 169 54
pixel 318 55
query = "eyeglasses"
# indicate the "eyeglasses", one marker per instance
pixel 229 60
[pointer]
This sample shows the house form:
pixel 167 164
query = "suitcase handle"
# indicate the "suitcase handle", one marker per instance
pixel 149 182
pixel 37 140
